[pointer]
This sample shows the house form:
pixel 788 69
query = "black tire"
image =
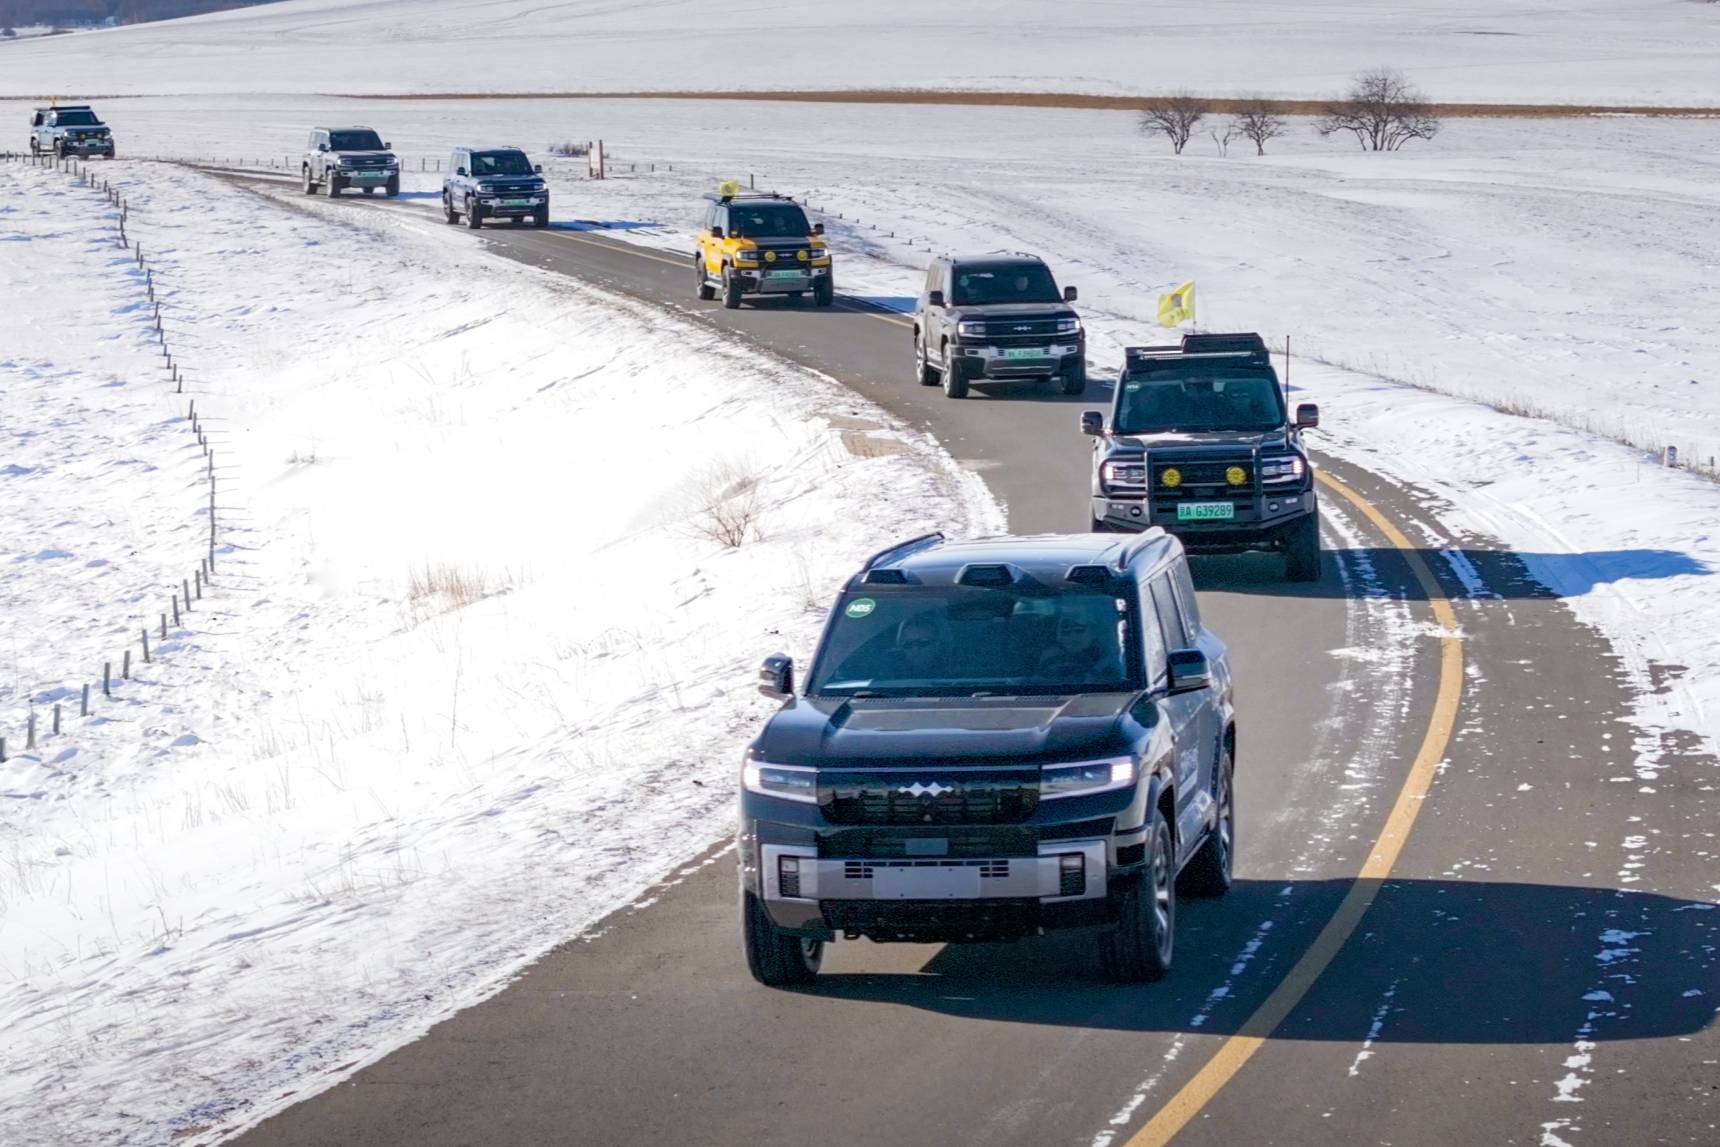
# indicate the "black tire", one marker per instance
pixel 1073 378
pixel 731 290
pixel 823 292
pixel 955 385
pixel 923 368
pixel 1209 872
pixel 310 185
pixel 774 959
pixel 449 215
pixel 706 292
pixel 1302 550
pixel 540 220
pixel 331 185
pixel 474 214
pixel 35 146
pixel 392 187
pixel 1140 948
pixel 516 220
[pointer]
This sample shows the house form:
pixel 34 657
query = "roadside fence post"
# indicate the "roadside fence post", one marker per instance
pixel 146 645
pixel 125 665
pixel 56 718
pixel 176 611
pixel 30 731
pixel 107 679
pixel 84 701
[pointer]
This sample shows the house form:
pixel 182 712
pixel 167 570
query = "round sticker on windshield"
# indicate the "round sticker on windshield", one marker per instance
pixel 860 607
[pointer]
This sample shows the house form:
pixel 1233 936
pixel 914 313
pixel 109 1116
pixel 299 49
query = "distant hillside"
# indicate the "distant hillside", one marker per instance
pixel 91 13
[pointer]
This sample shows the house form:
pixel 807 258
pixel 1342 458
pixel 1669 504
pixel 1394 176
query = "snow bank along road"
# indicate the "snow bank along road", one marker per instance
pixel 1536 965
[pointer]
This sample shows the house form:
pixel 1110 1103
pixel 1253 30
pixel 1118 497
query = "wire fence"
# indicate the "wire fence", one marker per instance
pixel 45 718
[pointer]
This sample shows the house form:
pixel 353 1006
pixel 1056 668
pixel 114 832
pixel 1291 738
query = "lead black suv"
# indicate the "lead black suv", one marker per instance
pixel 995 739
pixel 1201 444
pixel 494 183
pixel 337 158
pixel 993 318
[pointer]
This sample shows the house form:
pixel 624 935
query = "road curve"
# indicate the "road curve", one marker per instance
pixel 1533 964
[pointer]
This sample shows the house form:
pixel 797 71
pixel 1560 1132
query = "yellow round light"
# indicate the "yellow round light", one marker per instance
pixel 770 256
pixel 1171 477
pixel 1236 475
pixel 801 255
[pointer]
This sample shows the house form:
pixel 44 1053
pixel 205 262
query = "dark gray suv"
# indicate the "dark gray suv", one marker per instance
pixel 995 739
pixel 994 318
pixel 337 158
pixel 494 183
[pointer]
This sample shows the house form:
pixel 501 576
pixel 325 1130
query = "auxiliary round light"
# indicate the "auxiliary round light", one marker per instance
pixel 1236 475
pixel 1171 477
pixel 801 255
pixel 770 256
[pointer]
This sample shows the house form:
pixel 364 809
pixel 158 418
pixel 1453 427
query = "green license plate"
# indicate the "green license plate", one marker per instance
pixel 516 203
pixel 784 274
pixel 1205 512
pixel 1024 352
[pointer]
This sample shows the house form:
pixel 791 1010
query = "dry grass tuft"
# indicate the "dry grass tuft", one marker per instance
pixel 728 507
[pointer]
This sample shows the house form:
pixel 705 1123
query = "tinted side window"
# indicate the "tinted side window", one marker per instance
pixel 1186 601
pixel 1166 607
pixel 1153 640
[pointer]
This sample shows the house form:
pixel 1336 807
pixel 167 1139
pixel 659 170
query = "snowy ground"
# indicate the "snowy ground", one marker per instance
pixel 341 803
pixel 1644 52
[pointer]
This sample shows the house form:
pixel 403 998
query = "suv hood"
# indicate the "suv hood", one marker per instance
pixel 1014 310
pixel 847 732
pixel 1230 439
pixel 364 156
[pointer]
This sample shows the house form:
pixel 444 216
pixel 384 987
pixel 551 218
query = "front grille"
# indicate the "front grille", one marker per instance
pixel 785 257
pixel 926 797
pixel 866 869
pixel 1203 478
pixel 1003 329
pixel 957 844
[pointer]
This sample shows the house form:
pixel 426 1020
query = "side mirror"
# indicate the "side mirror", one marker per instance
pixel 716 232
pixel 818 228
pixel 776 676
pixel 1070 294
pixel 322 147
pixel 934 298
pixel 1093 422
pixel 1189 671
pixel 537 168
pixel 1307 416
pixel 460 171
pixel 387 147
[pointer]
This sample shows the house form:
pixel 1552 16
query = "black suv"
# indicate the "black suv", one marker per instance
pixel 993 318
pixel 1201 444
pixel 337 158
pixel 996 738
pixel 494 183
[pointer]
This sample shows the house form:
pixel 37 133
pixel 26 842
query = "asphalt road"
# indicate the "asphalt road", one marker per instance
pixel 1462 917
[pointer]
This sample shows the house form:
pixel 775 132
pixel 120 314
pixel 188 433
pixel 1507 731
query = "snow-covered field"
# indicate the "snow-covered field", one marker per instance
pixel 1643 52
pixel 466 625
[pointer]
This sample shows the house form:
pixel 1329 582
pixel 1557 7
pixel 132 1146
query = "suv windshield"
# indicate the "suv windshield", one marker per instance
pixel 500 163
pixel 1162 403
pixel 767 221
pixel 76 119
pixel 1007 283
pixel 966 640
pixel 354 141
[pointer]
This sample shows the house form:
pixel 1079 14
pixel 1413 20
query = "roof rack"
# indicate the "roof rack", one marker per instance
pixel 720 196
pixel 903 549
pixel 1209 343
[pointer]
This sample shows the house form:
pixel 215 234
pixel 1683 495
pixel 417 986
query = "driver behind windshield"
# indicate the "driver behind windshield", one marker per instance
pixel 500 163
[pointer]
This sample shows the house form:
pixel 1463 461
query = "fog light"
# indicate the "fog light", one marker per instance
pixel 788 875
pixel 1134 511
pixel 1072 874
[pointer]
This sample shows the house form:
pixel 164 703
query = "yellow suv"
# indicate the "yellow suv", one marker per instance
pixel 759 243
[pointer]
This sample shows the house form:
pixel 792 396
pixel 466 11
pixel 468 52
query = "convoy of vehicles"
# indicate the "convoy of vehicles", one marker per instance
pixel 994 739
pixel 494 183
pixel 997 317
pixel 760 243
pixel 72 130
pixel 337 158
pixel 1200 443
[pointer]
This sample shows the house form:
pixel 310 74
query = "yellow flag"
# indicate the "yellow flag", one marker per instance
pixel 728 187
pixel 1178 306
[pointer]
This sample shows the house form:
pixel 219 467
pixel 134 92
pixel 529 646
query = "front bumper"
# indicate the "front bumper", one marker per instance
pixel 86 147
pixel 1261 522
pixel 1042 360
pixel 779 280
pixel 513 206
pixel 368 176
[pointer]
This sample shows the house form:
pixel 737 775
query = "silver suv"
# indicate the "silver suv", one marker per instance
pixel 337 158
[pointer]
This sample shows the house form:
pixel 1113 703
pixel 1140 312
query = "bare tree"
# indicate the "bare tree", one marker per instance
pixel 1383 110
pixel 1175 116
pixel 1257 120
pixel 1223 141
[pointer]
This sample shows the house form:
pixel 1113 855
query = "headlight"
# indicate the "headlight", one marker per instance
pixel 486 187
pixel 974 329
pixel 1292 468
pixel 1130 474
pixel 390 162
pixel 819 253
pixel 790 782
pixel 1080 780
pixel 1068 326
pixel 746 256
